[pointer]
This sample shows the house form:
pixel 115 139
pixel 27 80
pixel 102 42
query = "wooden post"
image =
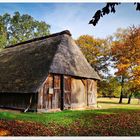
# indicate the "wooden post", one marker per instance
pixel 87 92
pixel 62 92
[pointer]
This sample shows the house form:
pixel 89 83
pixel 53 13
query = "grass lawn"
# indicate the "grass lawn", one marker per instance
pixel 107 103
pixel 112 119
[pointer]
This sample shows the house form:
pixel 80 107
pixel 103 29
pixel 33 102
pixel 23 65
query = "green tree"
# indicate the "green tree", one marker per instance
pixel 4 20
pixel 109 87
pixel 18 28
pixel 137 95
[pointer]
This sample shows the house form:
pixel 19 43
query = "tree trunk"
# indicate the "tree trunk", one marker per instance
pixel 129 99
pixel 121 95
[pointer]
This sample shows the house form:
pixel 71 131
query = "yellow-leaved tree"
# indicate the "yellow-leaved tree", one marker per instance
pixel 96 52
pixel 126 55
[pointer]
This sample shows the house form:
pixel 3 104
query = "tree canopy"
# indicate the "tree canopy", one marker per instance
pixel 96 52
pixel 17 28
pixel 125 52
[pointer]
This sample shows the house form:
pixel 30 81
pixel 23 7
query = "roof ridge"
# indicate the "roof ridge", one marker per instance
pixel 40 38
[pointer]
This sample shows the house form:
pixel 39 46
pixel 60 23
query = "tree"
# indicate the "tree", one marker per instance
pixel 109 8
pixel 3 30
pixel 126 56
pixel 109 87
pixel 18 28
pixel 137 95
pixel 96 52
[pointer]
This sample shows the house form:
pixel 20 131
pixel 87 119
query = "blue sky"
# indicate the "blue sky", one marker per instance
pixel 75 16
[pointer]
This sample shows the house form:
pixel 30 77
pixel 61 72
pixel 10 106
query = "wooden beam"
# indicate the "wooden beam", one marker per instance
pixel 87 92
pixel 62 92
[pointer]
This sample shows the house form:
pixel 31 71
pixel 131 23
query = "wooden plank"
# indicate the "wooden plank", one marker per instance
pixel 87 91
pixel 92 91
pixel 78 93
pixel 67 92
pixel 62 92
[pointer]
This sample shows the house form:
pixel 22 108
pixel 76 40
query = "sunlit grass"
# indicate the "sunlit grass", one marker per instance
pixel 116 100
pixel 107 103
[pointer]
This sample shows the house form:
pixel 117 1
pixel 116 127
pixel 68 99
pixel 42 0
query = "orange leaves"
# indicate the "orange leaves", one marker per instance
pixel 136 75
pixel 126 55
pixel 4 132
pixel 23 128
pixel 90 124
pixel 127 51
pixel 123 67
pixel 125 60
pixel 138 61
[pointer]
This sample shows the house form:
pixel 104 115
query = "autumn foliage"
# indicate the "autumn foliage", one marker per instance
pixel 96 52
pixel 126 55
pixel 117 124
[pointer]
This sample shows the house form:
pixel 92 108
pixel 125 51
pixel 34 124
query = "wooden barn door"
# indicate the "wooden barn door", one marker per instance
pixel 67 92
pixel 53 94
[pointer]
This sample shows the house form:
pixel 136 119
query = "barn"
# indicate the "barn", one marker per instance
pixel 45 74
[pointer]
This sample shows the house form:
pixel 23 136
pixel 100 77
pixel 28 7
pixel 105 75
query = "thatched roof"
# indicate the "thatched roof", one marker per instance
pixel 24 66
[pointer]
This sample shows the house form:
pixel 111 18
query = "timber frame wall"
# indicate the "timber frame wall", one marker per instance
pixel 60 92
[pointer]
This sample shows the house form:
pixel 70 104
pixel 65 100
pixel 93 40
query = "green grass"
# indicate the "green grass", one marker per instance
pixel 110 106
pixel 64 118
pixel 109 114
pixel 107 103
pixel 116 100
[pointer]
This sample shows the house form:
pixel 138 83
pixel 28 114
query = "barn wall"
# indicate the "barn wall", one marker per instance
pixel 18 101
pixel 92 92
pixel 78 93
pixel 46 100
pixel 67 92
